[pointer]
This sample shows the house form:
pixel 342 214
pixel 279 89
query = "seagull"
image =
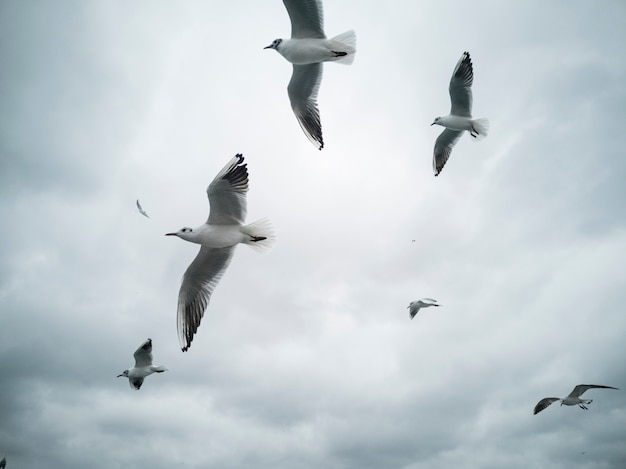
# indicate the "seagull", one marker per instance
pixel 141 210
pixel 460 117
pixel 572 399
pixel 218 238
pixel 415 306
pixel 306 50
pixel 143 366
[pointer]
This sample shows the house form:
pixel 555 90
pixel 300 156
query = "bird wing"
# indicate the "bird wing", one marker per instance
pixel 443 147
pixel 143 355
pixel 199 281
pixel 3 463
pixel 428 301
pixel 303 88
pixel 307 18
pixel 413 309
pixel 543 403
pixel 227 194
pixel 135 383
pixel 581 388
pixel 461 87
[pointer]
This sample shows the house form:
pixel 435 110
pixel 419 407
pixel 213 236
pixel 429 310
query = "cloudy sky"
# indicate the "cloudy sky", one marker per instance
pixel 306 357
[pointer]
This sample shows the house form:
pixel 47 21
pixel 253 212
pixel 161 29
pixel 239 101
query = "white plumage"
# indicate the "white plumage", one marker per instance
pixel 218 238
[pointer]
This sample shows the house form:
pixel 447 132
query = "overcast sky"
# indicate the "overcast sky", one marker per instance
pixel 306 357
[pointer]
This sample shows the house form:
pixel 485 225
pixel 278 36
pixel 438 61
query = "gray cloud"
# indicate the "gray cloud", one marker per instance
pixel 306 356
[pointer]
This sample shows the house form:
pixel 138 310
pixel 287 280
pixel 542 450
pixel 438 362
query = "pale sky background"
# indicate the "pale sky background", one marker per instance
pixel 306 357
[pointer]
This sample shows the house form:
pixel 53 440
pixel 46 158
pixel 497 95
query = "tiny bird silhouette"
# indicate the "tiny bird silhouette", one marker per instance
pixel 141 210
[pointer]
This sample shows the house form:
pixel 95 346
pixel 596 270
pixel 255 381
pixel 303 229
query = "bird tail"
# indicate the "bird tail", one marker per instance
pixel 480 128
pixel 345 43
pixel 261 235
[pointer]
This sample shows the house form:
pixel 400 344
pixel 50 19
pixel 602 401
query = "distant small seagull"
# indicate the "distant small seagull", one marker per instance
pixel 306 50
pixel 460 117
pixel 415 306
pixel 141 210
pixel 218 238
pixel 143 366
pixel 572 399
pixel 3 463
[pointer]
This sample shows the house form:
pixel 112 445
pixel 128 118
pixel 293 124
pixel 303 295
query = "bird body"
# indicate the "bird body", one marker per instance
pixel 218 237
pixel 573 398
pixel 455 122
pixel 460 118
pixel 315 50
pixel 214 236
pixel 416 305
pixel 143 366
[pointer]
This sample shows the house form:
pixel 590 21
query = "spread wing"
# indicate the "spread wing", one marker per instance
pixel 199 281
pixel 461 87
pixel 135 383
pixel 581 388
pixel 413 309
pixel 227 194
pixel 443 148
pixel 307 18
pixel 303 88
pixel 143 355
pixel 543 403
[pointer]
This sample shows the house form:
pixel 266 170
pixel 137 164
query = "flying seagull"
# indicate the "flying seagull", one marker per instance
pixel 218 238
pixel 572 399
pixel 141 210
pixel 460 117
pixel 306 50
pixel 415 306
pixel 143 366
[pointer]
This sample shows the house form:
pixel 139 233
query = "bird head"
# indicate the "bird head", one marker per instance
pixel 274 44
pixel 124 374
pixel 184 233
pixel 436 121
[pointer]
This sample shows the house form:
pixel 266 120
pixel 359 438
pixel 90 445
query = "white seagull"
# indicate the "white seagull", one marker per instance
pixel 572 399
pixel 143 366
pixel 218 238
pixel 415 306
pixel 460 117
pixel 306 50
pixel 141 210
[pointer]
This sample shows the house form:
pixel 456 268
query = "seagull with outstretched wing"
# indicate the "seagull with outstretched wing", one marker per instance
pixel 573 398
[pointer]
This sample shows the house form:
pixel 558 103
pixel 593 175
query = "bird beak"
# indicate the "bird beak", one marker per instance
pixel 170 234
pixel 119 376
pixel 432 123
pixel 268 47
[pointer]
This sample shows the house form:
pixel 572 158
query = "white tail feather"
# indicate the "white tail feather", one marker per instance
pixel 345 42
pixel 260 229
pixel 480 128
